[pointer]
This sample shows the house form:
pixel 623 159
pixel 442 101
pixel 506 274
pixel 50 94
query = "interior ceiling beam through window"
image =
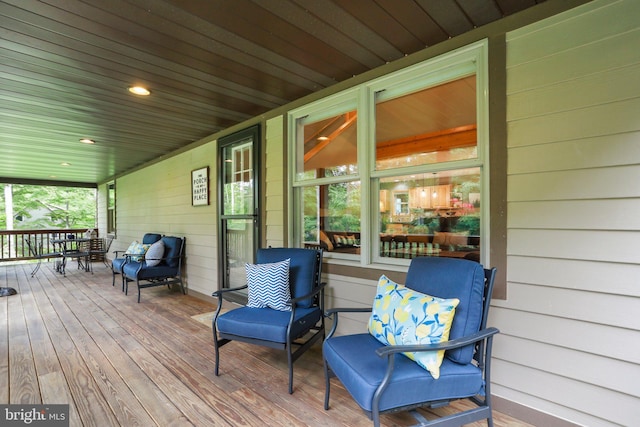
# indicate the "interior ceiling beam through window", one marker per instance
pixel 458 137
pixel 349 120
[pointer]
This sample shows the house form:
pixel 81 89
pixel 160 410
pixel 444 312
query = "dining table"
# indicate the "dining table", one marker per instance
pixel 72 247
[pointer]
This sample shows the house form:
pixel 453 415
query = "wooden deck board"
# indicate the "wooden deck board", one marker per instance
pixel 4 349
pixel 92 407
pixel 117 364
pixel 22 369
pixel 78 340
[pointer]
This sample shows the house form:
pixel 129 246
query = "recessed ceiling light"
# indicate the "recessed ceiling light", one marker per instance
pixel 139 90
pixel 323 138
pixel 87 141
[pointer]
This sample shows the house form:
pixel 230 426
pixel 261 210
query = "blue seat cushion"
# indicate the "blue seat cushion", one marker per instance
pixel 302 269
pixel 354 361
pixel 452 278
pixel 266 323
pixel 130 270
pixel 117 264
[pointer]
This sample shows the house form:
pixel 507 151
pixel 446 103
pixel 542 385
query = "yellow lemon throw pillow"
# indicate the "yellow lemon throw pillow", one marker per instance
pixel 402 316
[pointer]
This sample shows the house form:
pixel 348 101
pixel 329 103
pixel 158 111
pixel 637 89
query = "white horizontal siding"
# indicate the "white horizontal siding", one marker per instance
pixel 350 292
pixel 544 329
pixel 576 214
pixel 590 90
pixel 596 183
pixel 574 44
pixel 576 401
pixel 623 378
pixel 589 276
pixel 607 246
pixel 157 199
pixel 587 122
pixel 593 152
pixel 588 307
pixel 570 342
pixel 274 183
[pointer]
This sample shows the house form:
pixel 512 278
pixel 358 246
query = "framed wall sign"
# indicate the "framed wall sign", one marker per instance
pixel 200 187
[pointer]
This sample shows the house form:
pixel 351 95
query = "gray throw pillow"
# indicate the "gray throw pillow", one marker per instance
pixel 154 254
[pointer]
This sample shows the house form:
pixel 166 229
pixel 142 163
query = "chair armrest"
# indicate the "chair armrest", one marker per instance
pixel 337 311
pixel 125 254
pixel 219 295
pixel 388 350
pixel 220 292
pixel 128 256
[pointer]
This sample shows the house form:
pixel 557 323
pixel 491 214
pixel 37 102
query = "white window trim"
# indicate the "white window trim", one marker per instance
pixel 468 60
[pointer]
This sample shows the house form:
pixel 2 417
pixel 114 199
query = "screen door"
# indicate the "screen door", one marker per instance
pixel 238 190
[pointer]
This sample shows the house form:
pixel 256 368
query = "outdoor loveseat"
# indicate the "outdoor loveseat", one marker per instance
pixel 161 265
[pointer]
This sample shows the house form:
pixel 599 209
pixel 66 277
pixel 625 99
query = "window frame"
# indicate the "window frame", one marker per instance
pixel 466 61
pixel 111 225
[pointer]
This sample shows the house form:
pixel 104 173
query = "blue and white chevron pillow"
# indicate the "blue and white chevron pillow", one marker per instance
pixel 269 285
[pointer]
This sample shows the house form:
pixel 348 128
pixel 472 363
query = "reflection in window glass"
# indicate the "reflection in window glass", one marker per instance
pixel 430 126
pixel 442 216
pixel 240 247
pixel 328 147
pixel 419 156
pixel 332 216
pixel 238 185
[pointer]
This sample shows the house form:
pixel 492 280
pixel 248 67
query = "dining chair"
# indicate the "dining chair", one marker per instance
pixel 81 253
pixel 36 250
pixel 100 248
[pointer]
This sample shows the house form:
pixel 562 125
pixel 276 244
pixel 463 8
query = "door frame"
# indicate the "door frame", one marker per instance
pixel 253 132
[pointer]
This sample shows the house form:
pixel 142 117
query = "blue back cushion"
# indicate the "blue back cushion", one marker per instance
pixel 150 238
pixel 452 278
pixel 172 250
pixel 302 269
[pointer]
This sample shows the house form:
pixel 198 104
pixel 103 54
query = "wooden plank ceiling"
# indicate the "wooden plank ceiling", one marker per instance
pixel 65 66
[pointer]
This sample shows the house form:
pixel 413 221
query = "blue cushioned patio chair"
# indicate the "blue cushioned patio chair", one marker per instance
pixel 118 261
pixel 381 379
pixel 168 272
pixel 299 328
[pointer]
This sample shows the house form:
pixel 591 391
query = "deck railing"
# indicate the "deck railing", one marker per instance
pixel 13 243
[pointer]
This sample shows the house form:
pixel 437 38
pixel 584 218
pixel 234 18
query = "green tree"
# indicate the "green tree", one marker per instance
pixel 344 206
pixel 36 207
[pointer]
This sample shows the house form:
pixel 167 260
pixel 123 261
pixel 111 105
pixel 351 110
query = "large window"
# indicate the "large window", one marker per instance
pixel 396 168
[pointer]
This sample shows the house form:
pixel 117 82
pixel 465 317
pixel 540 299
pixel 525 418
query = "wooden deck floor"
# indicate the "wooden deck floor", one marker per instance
pixel 79 341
